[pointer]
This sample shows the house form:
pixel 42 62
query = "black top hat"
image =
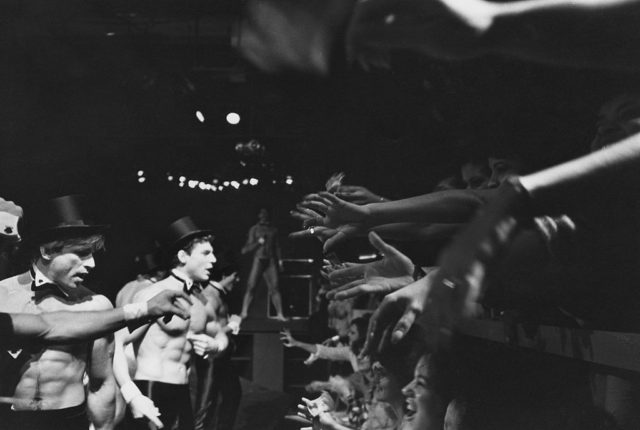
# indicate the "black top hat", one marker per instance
pixel 62 217
pixel 180 232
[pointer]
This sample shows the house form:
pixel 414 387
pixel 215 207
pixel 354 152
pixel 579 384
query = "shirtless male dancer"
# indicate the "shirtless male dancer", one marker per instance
pixel 45 384
pixel 164 349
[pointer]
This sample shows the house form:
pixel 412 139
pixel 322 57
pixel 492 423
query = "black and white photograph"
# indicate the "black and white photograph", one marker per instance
pixel 320 215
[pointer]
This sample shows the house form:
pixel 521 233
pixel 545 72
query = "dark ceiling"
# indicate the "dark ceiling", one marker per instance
pixel 94 90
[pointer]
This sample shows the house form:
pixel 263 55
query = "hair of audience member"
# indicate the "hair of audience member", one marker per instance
pixel 361 324
pixel 188 248
pixel 401 358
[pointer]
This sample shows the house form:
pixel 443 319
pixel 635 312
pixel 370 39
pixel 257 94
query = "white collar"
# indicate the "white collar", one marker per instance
pixel 39 278
pixel 188 282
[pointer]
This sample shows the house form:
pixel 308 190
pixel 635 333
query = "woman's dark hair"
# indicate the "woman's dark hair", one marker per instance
pixel 362 324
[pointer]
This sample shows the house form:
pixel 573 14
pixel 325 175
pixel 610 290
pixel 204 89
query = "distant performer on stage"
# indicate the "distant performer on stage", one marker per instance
pixel 262 240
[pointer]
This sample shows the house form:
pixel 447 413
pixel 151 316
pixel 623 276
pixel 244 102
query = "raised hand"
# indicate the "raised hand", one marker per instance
pixel 401 309
pixel 286 338
pixel 166 303
pixel 393 271
pixel 358 195
pixel 330 237
pixel 463 265
pixel 337 212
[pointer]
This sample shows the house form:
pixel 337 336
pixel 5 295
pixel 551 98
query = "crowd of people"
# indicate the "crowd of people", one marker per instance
pixel 558 245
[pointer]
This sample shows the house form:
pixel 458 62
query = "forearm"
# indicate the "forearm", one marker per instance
pixel 102 389
pixel 416 231
pixel 600 34
pixel 309 347
pixel 120 365
pixel 60 327
pixel 452 206
pixel 566 186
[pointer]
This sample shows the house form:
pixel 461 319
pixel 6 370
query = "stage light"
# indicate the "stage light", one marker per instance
pixel 215 181
pixel 141 179
pixel 233 118
pixel 110 34
pixel 225 183
pixel 289 180
pixel 169 178
pixel 214 188
pixel 181 184
pixel 202 186
pixel 253 181
pixel 182 179
pixel 193 184
pixel 140 172
pixel 235 184
pixel 220 188
pixel 200 116
pixel 245 181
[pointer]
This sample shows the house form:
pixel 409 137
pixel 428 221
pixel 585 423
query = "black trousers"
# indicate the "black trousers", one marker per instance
pixel 173 401
pixel 74 418
pixel 216 393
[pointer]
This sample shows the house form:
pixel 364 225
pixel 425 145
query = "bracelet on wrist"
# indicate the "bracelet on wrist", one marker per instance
pixel 135 311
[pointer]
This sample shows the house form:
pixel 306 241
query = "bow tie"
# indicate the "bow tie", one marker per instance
pixel 47 289
pixel 195 288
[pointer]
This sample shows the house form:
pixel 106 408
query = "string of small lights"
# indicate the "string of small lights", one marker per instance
pixel 215 185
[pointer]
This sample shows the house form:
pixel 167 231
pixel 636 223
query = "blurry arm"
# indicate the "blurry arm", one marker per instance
pixel 569 185
pixel 451 206
pixel 415 231
pixel 600 34
pixel 65 327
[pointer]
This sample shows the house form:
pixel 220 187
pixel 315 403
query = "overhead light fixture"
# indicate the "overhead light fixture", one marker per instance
pixel 233 118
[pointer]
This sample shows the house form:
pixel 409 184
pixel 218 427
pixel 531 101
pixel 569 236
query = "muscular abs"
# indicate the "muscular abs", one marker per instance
pixel 163 353
pixel 51 378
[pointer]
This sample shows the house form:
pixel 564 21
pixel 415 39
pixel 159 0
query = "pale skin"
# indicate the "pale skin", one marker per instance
pixel 52 379
pixel 163 349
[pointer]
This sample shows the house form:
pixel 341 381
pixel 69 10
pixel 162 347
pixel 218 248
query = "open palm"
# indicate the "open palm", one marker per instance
pixel 393 271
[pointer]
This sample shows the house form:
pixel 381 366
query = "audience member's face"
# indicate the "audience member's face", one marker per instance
pixel 70 267
pixel 353 334
pixel 198 264
pixel 386 387
pixel 617 119
pixel 501 170
pixel 475 176
pixel 424 409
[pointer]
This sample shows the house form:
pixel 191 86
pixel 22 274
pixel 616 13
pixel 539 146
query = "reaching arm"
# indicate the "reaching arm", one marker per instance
pixel 415 231
pixel 583 33
pixel 66 327
pixel 450 206
pixel 291 342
